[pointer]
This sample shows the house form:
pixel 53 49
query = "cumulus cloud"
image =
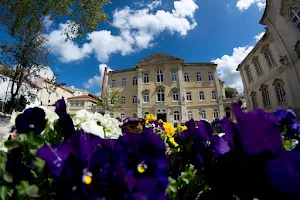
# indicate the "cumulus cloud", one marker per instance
pixel 138 30
pixel 227 65
pixel 96 81
pixel 259 36
pixel 243 5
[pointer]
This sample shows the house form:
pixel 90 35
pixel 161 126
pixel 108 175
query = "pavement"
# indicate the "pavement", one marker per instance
pixel 4 126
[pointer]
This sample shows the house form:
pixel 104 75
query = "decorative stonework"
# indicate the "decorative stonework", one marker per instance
pixel 159 58
pixel 297 48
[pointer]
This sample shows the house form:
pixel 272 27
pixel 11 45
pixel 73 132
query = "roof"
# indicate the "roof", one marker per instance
pixel 267 9
pixel 89 97
pixel 122 70
pixel 72 88
pixel 200 63
pixel 159 58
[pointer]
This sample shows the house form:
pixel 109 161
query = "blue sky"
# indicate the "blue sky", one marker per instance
pixel 223 31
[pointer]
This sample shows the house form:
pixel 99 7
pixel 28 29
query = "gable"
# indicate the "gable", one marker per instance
pixel 160 58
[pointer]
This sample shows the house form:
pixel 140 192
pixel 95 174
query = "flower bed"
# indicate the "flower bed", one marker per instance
pixel 50 155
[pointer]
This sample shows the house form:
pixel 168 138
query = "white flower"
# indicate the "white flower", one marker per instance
pixel 93 128
pixel 51 117
pixel 84 115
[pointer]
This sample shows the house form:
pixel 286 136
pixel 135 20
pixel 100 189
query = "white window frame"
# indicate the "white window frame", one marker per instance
pixel 199 77
pixel 294 11
pixel 123 100
pixel 202 114
pixel 134 81
pixel 174 76
pixel 248 74
pixel 279 88
pixel 113 83
pixel 123 84
pixel 175 94
pixel 190 115
pixel 176 116
pixel 122 116
pixel 215 113
pixel 159 76
pixel 269 58
pixel 189 97
pixel 257 68
pixel 201 92
pixel 266 97
pixel 213 95
pixel 146 96
pixel 160 95
pixel 186 77
pixel 134 99
pixel 210 76
pixel 146 78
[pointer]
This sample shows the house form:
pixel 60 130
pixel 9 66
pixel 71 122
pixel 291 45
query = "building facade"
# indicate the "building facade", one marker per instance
pixel 170 89
pixel 270 73
pixel 87 102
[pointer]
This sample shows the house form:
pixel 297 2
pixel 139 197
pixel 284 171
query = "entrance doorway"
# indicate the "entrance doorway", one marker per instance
pixel 162 116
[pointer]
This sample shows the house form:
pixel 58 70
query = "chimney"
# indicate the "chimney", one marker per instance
pixel 104 83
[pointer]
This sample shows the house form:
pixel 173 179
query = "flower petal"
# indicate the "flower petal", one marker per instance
pixel 93 128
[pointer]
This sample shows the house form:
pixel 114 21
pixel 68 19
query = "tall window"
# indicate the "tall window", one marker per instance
pixel 213 95
pixel 112 115
pixel 295 17
pixel 186 77
pixel 134 81
pixel 257 68
pixel 123 82
pixel 123 100
pixel 254 100
pixel 265 96
pixel 198 77
pixel 216 113
pixel 280 93
pixel 146 78
pixel 189 96
pixel 249 75
pixel 159 76
pixel 176 116
pixel 202 114
pixel 146 97
pixel 122 116
pixel 210 76
pixel 190 115
pixel 113 83
pixel 175 96
pixel 269 58
pixel 201 96
pixel 160 95
pixel 134 99
pixel 174 76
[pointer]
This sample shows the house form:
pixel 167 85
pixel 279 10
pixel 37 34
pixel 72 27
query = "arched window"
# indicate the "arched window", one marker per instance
pixel 249 75
pixel 190 115
pixel 176 116
pixel 213 95
pixel 295 17
pixel 280 93
pixel 210 76
pixel 265 96
pixel 254 100
pixel 201 96
pixel 159 76
pixel 175 96
pixel 134 99
pixel 189 96
pixel 269 58
pixel 146 97
pixel 113 83
pixel 146 78
pixel 198 77
pixel 122 116
pixel 160 95
pixel 257 68
pixel 186 77
pixel 216 113
pixel 202 114
pixel 123 101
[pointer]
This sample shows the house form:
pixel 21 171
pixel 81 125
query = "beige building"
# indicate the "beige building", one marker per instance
pixel 87 102
pixel 170 89
pixel 270 73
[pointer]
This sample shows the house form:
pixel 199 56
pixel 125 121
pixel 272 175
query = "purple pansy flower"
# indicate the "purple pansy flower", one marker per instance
pixel 32 119
pixel 287 118
pixel 258 131
pixel 229 130
pixel 80 166
pixel 143 159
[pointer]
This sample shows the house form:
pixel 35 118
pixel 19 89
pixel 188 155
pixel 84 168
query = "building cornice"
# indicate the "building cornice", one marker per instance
pixel 266 12
pixel 122 70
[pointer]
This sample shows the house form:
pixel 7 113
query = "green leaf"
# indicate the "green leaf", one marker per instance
pixel 7 177
pixel 3 192
pixel 32 191
pixel 39 164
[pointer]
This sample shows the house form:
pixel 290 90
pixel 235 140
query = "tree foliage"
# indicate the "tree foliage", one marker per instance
pixel 230 92
pixel 111 101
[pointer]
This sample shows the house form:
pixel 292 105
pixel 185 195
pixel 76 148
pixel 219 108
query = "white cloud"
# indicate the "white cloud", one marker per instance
pixel 154 4
pixel 47 22
pixel 227 65
pixel 259 36
pixel 243 5
pixel 137 30
pixel 96 81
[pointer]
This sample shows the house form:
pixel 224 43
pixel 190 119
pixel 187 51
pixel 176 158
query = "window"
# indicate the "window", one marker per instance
pixel 146 114
pixel 201 96
pixel 280 93
pixel 123 100
pixel 216 113
pixel 257 68
pixel 213 95
pixel 265 96
pixel 122 116
pixel 295 17
pixel 123 82
pixel 190 115
pixel 134 99
pixel 176 116
pixel 186 77
pixel 198 77
pixel 254 100
pixel 146 78
pixel 175 125
pixel 210 76
pixel 202 114
pixel 269 58
pixel 160 95
pixel 175 96
pixel 159 76
pixel 174 76
pixel 112 115
pixel 113 83
pixel 134 81
pixel 146 97
pixel 249 75
pixel 189 96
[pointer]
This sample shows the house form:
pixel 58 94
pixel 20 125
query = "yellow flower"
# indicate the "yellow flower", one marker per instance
pixel 150 117
pixel 169 129
pixel 172 140
pixel 181 128
pixel 160 121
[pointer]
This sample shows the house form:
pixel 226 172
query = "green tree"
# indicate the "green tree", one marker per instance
pixel 22 28
pixel 111 101
pixel 230 92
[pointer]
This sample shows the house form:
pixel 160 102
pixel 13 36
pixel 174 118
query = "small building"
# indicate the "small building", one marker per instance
pixel 87 102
